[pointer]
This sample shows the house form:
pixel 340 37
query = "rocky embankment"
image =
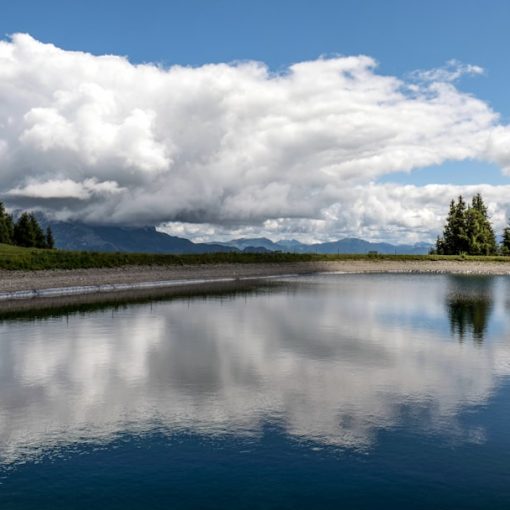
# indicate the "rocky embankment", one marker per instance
pixel 30 284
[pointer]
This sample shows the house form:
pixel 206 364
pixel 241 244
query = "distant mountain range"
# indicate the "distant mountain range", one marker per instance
pixel 346 245
pixel 79 236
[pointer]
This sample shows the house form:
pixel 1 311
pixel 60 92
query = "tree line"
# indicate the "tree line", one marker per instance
pixel 468 230
pixel 25 231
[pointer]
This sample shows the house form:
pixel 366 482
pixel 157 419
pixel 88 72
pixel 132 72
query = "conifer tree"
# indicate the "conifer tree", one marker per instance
pixel 23 232
pixel 50 240
pixel 505 243
pixel 37 232
pixel 480 233
pixel 467 230
pixel 28 233
pixel 454 239
pixel 6 226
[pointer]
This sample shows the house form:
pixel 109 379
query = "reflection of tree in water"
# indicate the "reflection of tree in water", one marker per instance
pixel 469 304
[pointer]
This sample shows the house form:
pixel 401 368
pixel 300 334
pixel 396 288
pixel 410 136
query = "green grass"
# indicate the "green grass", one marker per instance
pixel 16 258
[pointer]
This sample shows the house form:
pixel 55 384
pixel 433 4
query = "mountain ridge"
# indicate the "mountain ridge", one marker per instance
pixel 346 245
pixel 86 237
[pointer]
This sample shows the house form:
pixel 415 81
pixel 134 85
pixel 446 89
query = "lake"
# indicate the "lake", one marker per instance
pixel 327 391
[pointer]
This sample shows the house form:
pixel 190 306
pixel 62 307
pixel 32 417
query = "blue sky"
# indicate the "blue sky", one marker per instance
pixel 401 36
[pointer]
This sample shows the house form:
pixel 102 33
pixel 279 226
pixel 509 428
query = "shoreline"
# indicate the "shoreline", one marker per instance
pixel 35 285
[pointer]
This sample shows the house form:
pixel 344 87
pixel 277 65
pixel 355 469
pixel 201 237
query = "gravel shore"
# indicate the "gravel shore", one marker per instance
pixel 18 281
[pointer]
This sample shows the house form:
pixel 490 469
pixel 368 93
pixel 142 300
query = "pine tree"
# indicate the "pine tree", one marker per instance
pixel 480 233
pixel 6 226
pixel 505 243
pixel 23 232
pixel 454 239
pixel 28 233
pixel 467 230
pixel 37 232
pixel 50 241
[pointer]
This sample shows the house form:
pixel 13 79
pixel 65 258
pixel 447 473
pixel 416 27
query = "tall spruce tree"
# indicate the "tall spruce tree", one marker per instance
pixel 454 239
pixel 23 233
pixel 38 234
pixel 505 242
pixel 50 240
pixel 6 226
pixel 480 233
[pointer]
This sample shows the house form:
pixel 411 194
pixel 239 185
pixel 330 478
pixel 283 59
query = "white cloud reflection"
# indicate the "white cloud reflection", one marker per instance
pixel 334 365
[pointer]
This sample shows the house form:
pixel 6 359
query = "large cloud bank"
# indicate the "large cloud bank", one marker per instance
pixel 233 147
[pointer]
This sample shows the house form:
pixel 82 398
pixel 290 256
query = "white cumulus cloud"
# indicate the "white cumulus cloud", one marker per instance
pixel 65 188
pixel 234 146
pixel 451 71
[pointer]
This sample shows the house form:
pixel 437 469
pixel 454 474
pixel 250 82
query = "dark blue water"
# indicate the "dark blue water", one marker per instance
pixel 337 391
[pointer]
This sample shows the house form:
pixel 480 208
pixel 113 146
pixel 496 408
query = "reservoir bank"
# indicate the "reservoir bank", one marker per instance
pixel 30 285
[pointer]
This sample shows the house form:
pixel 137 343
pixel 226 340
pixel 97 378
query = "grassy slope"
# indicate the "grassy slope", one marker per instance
pixel 13 257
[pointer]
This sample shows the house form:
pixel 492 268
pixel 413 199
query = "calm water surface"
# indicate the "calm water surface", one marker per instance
pixel 334 391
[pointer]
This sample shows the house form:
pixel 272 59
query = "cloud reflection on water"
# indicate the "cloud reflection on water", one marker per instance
pixel 332 359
